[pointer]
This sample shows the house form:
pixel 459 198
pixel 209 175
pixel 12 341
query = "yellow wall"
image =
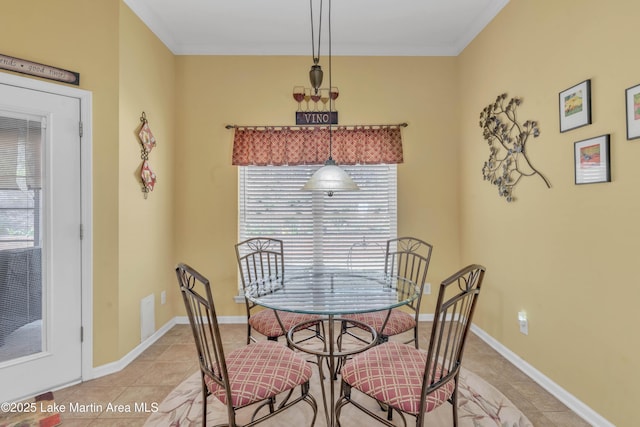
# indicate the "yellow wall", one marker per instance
pixel 146 239
pixel 215 91
pixel 567 254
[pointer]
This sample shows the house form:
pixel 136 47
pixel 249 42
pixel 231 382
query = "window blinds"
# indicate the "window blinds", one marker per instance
pixel 20 179
pixel 348 230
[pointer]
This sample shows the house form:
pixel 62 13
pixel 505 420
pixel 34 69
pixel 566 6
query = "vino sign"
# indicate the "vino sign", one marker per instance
pixel 316 117
pixel 38 70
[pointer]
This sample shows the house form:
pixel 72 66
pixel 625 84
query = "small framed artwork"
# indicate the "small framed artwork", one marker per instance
pixel 575 106
pixel 592 160
pixel 633 112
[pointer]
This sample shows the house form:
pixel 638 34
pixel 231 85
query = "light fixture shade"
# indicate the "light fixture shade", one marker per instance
pixel 330 178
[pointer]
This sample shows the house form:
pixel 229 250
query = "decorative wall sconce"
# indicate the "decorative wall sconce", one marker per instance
pixel 148 141
pixel 508 161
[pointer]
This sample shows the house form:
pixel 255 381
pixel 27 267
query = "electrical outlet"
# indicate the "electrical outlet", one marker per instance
pixel 427 289
pixel 524 322
pixel 163 297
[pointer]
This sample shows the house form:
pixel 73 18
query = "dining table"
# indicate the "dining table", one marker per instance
pixel 330 293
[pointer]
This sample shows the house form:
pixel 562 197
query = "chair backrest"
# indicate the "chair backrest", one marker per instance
pixel 409 258
pixel 457 298
pixel 198 301
pixel 260 259
pixel 365 254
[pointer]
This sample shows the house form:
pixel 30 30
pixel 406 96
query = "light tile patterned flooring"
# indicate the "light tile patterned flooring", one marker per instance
pixel 172 359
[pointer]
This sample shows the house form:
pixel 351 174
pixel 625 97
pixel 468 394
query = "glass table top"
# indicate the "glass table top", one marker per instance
pixel 332 292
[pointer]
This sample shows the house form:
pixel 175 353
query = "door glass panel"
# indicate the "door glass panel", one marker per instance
pixel 20 236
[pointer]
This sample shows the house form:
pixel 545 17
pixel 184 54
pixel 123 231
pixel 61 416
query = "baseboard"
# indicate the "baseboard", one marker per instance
pixel 226 320
pixel 118 365
pixel 576 405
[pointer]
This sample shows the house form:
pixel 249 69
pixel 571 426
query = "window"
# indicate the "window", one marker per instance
pixel 20 186
pixel 347 230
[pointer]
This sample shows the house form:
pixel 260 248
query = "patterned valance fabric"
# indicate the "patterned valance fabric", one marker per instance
pixel 271 146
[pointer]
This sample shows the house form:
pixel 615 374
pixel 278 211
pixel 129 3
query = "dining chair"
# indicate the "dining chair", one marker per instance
pixel 254 374
pixel 411 381
pixel 261 263
pixel 405 257
pixel 365 254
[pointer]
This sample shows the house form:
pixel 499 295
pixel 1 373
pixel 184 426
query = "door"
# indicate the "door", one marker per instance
pixel 40 241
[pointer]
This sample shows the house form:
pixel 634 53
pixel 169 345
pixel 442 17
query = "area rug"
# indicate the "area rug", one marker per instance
pixel 40 411
pixel 480 405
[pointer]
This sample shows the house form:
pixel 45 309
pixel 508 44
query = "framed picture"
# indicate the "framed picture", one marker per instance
pixel 632 97
pixel 575 106
pixel 592 160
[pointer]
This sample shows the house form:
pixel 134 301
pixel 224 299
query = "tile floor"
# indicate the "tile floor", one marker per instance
pixel 172 359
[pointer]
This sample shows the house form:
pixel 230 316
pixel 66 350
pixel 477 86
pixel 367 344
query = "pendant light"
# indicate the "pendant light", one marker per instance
pixel 330 177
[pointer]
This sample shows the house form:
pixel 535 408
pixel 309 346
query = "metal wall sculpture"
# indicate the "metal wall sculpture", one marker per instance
pixel 508 161
pixel 148 141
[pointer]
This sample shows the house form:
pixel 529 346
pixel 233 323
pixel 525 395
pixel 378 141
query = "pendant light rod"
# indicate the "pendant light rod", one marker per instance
pixel 330 159
pixel 316 74
pixel 330 177
pixel 316 58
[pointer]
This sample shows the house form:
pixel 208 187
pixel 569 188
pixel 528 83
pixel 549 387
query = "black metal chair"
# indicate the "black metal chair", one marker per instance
pixel 409 258
pixel 261 262
pixel 365 254
pixel 411 381
pixel 254 374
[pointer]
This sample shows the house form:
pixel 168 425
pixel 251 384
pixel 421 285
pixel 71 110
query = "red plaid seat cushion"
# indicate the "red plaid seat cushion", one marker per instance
pixel 392 373
pixel 265 321
pixel 399 321
pixel 259 371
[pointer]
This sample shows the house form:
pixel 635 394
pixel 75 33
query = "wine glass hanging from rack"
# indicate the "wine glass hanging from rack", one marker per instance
pixel 319 100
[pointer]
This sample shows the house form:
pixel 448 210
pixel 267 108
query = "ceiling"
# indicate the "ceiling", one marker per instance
pixel 283 27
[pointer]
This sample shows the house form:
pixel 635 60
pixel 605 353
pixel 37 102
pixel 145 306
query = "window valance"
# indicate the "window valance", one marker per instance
pixel 350 145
